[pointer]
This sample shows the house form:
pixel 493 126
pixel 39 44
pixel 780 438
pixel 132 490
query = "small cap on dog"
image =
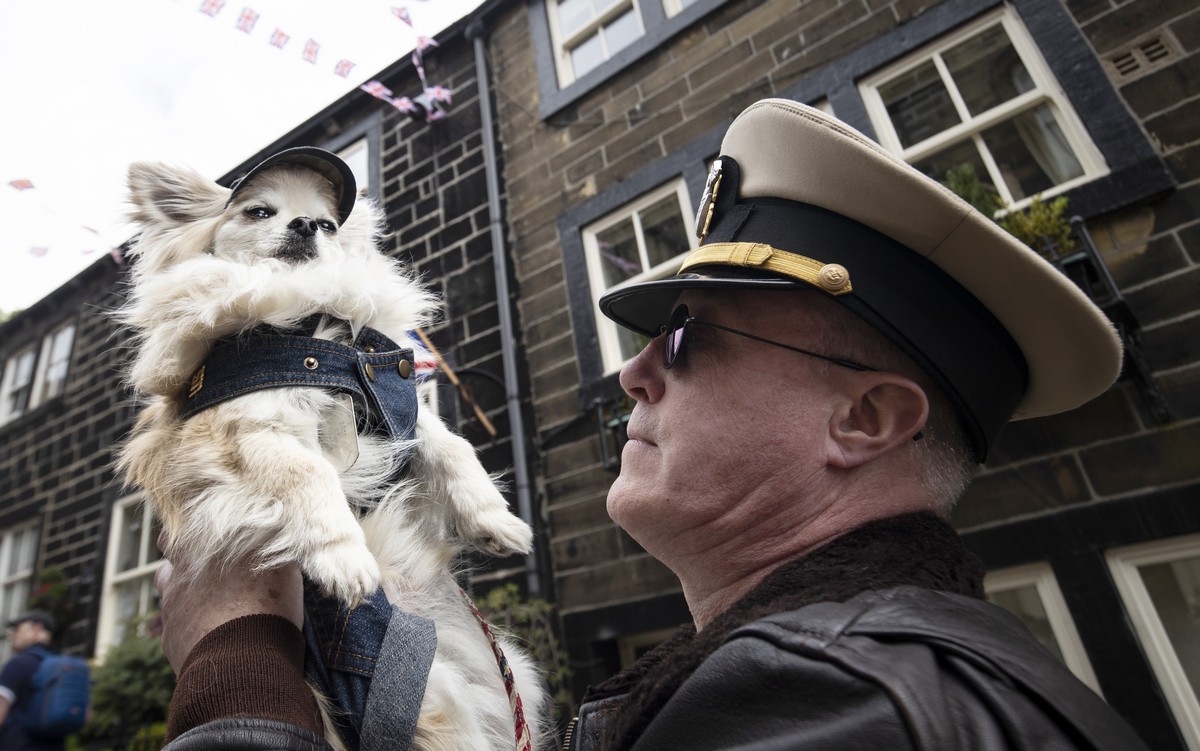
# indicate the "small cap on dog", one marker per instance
pixel 798 200
pixel 324 163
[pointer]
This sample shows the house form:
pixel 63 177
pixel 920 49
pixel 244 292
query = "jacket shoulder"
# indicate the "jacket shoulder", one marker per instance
pixel 917 645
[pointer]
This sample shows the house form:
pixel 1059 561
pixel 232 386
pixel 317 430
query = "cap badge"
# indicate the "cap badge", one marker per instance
pixel 708 201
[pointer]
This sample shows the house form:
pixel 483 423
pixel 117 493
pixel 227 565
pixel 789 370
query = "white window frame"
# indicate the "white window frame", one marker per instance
pixel 41 388
pixel 1041 577
pixel 108 631
pixel 1046 91
pixel 357 156
pixel 1124 563
pixel 606 330
pixel 628 646
pixel 24 534
pixel 564 45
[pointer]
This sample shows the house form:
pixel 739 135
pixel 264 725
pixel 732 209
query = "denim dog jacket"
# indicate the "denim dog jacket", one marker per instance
pixel 376 371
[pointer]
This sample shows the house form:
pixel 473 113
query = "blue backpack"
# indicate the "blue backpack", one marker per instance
pixel 58 698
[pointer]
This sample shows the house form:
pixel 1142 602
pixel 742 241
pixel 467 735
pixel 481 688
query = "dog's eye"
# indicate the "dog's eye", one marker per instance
pixel 259 212
pixel 327 226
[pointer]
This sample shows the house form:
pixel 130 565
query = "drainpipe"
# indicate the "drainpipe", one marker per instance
pixel 508 340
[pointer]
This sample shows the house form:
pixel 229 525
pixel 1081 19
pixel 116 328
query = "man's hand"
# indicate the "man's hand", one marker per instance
pixel 194 605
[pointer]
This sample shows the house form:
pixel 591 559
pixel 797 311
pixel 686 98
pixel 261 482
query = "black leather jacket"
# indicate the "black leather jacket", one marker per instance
pixel 896 669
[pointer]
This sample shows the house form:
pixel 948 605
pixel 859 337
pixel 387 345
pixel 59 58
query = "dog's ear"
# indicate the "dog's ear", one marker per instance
pixel 165 195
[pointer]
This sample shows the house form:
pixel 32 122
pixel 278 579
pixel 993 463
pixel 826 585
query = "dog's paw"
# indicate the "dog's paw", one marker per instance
pixel 345 570
pixel 496 531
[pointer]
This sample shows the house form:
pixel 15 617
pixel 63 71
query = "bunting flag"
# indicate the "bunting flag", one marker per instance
pixel 38 251
pixel 247 20
pixel 404 104
pixel 310 51
pixel 278 38
pixel 438 94
pixel 212 7
pixel 424 43
pixel 21 184
pixel 343 68
pixel 377 90
pixel 403 14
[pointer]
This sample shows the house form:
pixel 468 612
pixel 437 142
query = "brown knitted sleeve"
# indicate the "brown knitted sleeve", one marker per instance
pixel 252 666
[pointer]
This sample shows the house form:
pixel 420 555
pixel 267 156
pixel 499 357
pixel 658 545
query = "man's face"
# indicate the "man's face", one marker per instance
pixel 25 635
pixel 731 435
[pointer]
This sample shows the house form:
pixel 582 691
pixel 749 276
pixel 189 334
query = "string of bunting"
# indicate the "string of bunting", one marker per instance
pixel 248 18
pixel 437 93
pixel 22 185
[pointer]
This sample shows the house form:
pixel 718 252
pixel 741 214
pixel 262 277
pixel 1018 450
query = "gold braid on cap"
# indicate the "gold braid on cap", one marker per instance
pixel 830 277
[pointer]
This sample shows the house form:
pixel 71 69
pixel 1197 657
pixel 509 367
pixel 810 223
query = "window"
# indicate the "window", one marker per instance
pixel 674 7
pixel 1032 594
pixel 1160 585
pixel 133 557
pixel 34 375
pixel 982 101
pixel 357 157
pixel 644 240
pixel 588 32
pixel 18 554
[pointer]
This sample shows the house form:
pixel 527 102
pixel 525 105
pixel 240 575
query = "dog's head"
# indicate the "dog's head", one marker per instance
pixel 285 212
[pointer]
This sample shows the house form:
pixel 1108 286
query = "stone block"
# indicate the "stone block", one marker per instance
pixel 1171 297
pixel 626 579
pixel 587 549
pixel 1158 457
pixel 1105 417
pixel 1025 489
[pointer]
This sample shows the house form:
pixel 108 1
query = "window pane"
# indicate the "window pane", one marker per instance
pixel 1032 153
pixel 1026 604
pixel 918 104
pixel 961 169
pixel 1174 588
pixel 56 367
pixel 664 230
pixel 987 70
pixel 16 597
pixel 128 596
pixel 129 540
pixel 622 32
pixel 618 253
pixel 587 56
pixel 573 15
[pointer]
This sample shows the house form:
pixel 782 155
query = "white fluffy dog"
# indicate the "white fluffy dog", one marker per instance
pixel 277 474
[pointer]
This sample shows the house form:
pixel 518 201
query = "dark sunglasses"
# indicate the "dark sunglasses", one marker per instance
pixel 676 339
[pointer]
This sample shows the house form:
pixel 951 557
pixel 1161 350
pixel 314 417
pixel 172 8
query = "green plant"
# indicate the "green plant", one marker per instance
pixel 967 186
pixel 131 688
pixel 1042 226
pixel 530 621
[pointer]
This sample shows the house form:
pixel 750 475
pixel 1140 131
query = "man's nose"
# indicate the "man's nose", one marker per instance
pixel 642 377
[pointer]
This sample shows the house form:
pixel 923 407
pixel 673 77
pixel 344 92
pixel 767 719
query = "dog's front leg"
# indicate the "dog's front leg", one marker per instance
pixel 448 464
pixel 315 525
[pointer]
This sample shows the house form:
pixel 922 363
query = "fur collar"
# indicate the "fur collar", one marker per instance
pixel 915 549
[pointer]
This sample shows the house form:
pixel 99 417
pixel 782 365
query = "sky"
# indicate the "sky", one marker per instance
pixel 91 86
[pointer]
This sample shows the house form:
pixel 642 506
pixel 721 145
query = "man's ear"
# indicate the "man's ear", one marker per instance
pixel 881 411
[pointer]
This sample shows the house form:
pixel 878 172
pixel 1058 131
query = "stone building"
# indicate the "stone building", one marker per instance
pixel 571 160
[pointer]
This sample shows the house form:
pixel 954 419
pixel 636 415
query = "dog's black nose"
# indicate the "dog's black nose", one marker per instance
pixel 303 226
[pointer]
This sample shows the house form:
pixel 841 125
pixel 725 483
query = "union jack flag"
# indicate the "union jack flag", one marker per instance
pixel 404 104
pixel 402 13
pixel 212 7
pixel 343 68
pixel 21 184
pixel 424 43
pixel 377 90
pixel 278 38
pixel 310 50
pixel 247 20
pixel 417 63
pixel 434 115
pixel 438 94
pixel 39 251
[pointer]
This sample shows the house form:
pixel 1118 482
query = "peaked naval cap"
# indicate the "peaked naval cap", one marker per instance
pixel 798 200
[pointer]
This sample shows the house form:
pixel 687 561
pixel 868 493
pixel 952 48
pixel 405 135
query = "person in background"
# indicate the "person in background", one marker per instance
pixel 824 375
pixel 34 628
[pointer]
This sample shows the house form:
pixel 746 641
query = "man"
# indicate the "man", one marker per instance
pixel 33 629
pixel 824 374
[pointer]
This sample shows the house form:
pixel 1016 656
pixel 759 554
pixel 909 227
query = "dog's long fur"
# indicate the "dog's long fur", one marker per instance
pixel 247 478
